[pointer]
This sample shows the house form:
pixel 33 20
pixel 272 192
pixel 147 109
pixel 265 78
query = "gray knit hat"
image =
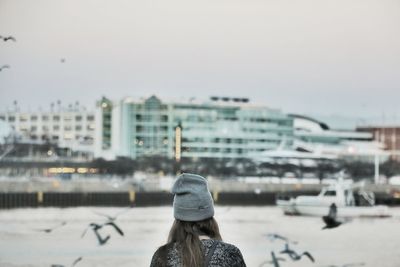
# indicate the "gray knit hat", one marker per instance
pixel 192 200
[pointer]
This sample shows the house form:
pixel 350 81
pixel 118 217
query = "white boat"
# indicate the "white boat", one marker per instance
pixel 342 194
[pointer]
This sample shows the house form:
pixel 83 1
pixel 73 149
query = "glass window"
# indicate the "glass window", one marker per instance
pixel 90 118
pixel 23 117
pixel 330 193
pixel 45 118
pixel 56 118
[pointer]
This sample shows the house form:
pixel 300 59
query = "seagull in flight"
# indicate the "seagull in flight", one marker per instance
pixel 96 227
pixel 294 255
pixel 49 230
pixel 8 38
pixel 72 265
pixel 274 236
pixel 4 67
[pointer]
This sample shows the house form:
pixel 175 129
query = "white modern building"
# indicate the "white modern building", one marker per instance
pixel 221 127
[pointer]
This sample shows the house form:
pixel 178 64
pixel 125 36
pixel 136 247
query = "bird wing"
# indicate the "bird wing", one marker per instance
pixel 122 211
pixel 101 240
pixel 84 232
pixel 76 261
pixel 287 249
pixel 280 237
pixel 115 227
pixel 306 253
pixel 47 230
pixel 95 225
pixel 104 215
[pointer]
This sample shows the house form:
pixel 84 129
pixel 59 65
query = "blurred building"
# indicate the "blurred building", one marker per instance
pixel 389 135
pixel 386 134
pixel 221 127
pixel 315 136
pixel 67 127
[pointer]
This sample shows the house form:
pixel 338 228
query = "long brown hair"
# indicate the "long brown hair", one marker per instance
pixel 186 236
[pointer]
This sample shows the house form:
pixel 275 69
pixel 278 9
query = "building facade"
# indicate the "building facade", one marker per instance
pixel 72 128
pixel 389 135
pixel 221 127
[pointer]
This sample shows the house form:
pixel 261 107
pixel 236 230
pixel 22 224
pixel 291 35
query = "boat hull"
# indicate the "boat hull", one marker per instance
pixel 291 208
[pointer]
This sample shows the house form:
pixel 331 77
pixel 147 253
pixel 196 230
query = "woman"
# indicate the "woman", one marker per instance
pixel 194 239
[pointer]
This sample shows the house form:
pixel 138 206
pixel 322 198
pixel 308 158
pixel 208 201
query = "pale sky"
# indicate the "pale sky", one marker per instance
pixel 305 56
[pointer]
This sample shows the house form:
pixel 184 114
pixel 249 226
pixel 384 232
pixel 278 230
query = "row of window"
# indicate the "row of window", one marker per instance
pixel 220 150
pixel 228 140
pixel 86 139
pixel 57 128
pixel 144 149
pixel 47 118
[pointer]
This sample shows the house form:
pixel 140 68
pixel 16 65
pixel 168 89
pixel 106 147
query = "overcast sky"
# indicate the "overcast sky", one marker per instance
pixel 305 56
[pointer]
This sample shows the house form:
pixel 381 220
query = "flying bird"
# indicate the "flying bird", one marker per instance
pixel 294 255
pixel 72 265
pixel 330 219
pixel 62 60
pixel 4 67
pixel 49 230
pixel 274 236
pixel 96 227
pixel 8 38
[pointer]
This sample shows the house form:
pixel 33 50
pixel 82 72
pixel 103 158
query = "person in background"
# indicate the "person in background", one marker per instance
pixel 194 239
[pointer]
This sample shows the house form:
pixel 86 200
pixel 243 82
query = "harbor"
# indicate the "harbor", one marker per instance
pixel 124 124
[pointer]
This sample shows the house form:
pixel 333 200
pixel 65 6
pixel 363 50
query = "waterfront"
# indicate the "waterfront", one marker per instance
pixel 372 241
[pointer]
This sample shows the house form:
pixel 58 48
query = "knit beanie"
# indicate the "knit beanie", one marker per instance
pixel 192 200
